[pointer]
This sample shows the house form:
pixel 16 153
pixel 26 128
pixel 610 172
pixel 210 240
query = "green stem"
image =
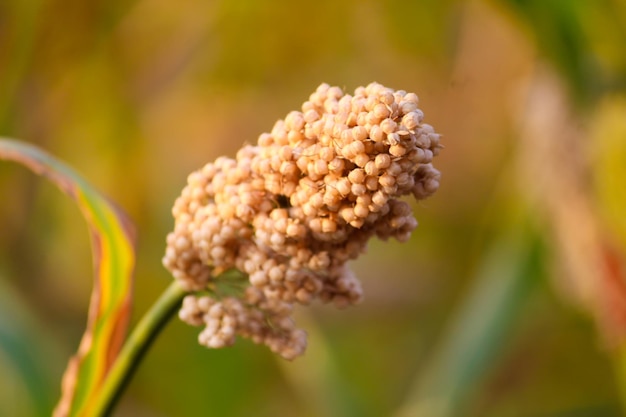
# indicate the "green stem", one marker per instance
pixel 136 346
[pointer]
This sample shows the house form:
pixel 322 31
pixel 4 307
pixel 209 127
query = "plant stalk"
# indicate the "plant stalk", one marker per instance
pixel 135 347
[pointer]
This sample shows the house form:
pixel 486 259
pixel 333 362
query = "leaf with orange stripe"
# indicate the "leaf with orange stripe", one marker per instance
pixel 112 238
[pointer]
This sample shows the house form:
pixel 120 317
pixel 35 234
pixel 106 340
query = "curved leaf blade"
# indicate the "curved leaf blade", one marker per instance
pixel 112 237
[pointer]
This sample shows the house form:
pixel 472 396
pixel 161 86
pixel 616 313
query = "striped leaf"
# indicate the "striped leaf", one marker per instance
pixel 112 239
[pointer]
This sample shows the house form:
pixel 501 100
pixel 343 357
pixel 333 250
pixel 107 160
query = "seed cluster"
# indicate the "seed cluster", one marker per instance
pixel 290 211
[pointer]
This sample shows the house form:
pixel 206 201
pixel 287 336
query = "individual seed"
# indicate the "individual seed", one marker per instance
pixel 356 176
pixel 388 126
pixel 397 150
pixel 382 161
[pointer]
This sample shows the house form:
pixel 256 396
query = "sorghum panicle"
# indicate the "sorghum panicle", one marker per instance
pixel 290 211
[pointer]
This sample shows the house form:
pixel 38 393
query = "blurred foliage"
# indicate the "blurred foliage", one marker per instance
pixel 510 272
pixel 30 391
pixel 607 150
pixel 582 39
pixel 137 94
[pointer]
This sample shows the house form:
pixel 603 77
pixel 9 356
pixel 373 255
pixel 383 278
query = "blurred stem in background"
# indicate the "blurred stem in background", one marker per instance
pixel 583 153
pixel 480 327
pixel 559 152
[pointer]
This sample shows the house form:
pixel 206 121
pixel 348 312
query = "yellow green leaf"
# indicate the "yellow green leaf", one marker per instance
pixel 112 239
pixel 608 153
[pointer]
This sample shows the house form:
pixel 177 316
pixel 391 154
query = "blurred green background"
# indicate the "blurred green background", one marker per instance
pixel 509 300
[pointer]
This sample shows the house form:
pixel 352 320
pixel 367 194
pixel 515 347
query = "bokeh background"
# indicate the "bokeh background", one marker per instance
pixel 510 298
